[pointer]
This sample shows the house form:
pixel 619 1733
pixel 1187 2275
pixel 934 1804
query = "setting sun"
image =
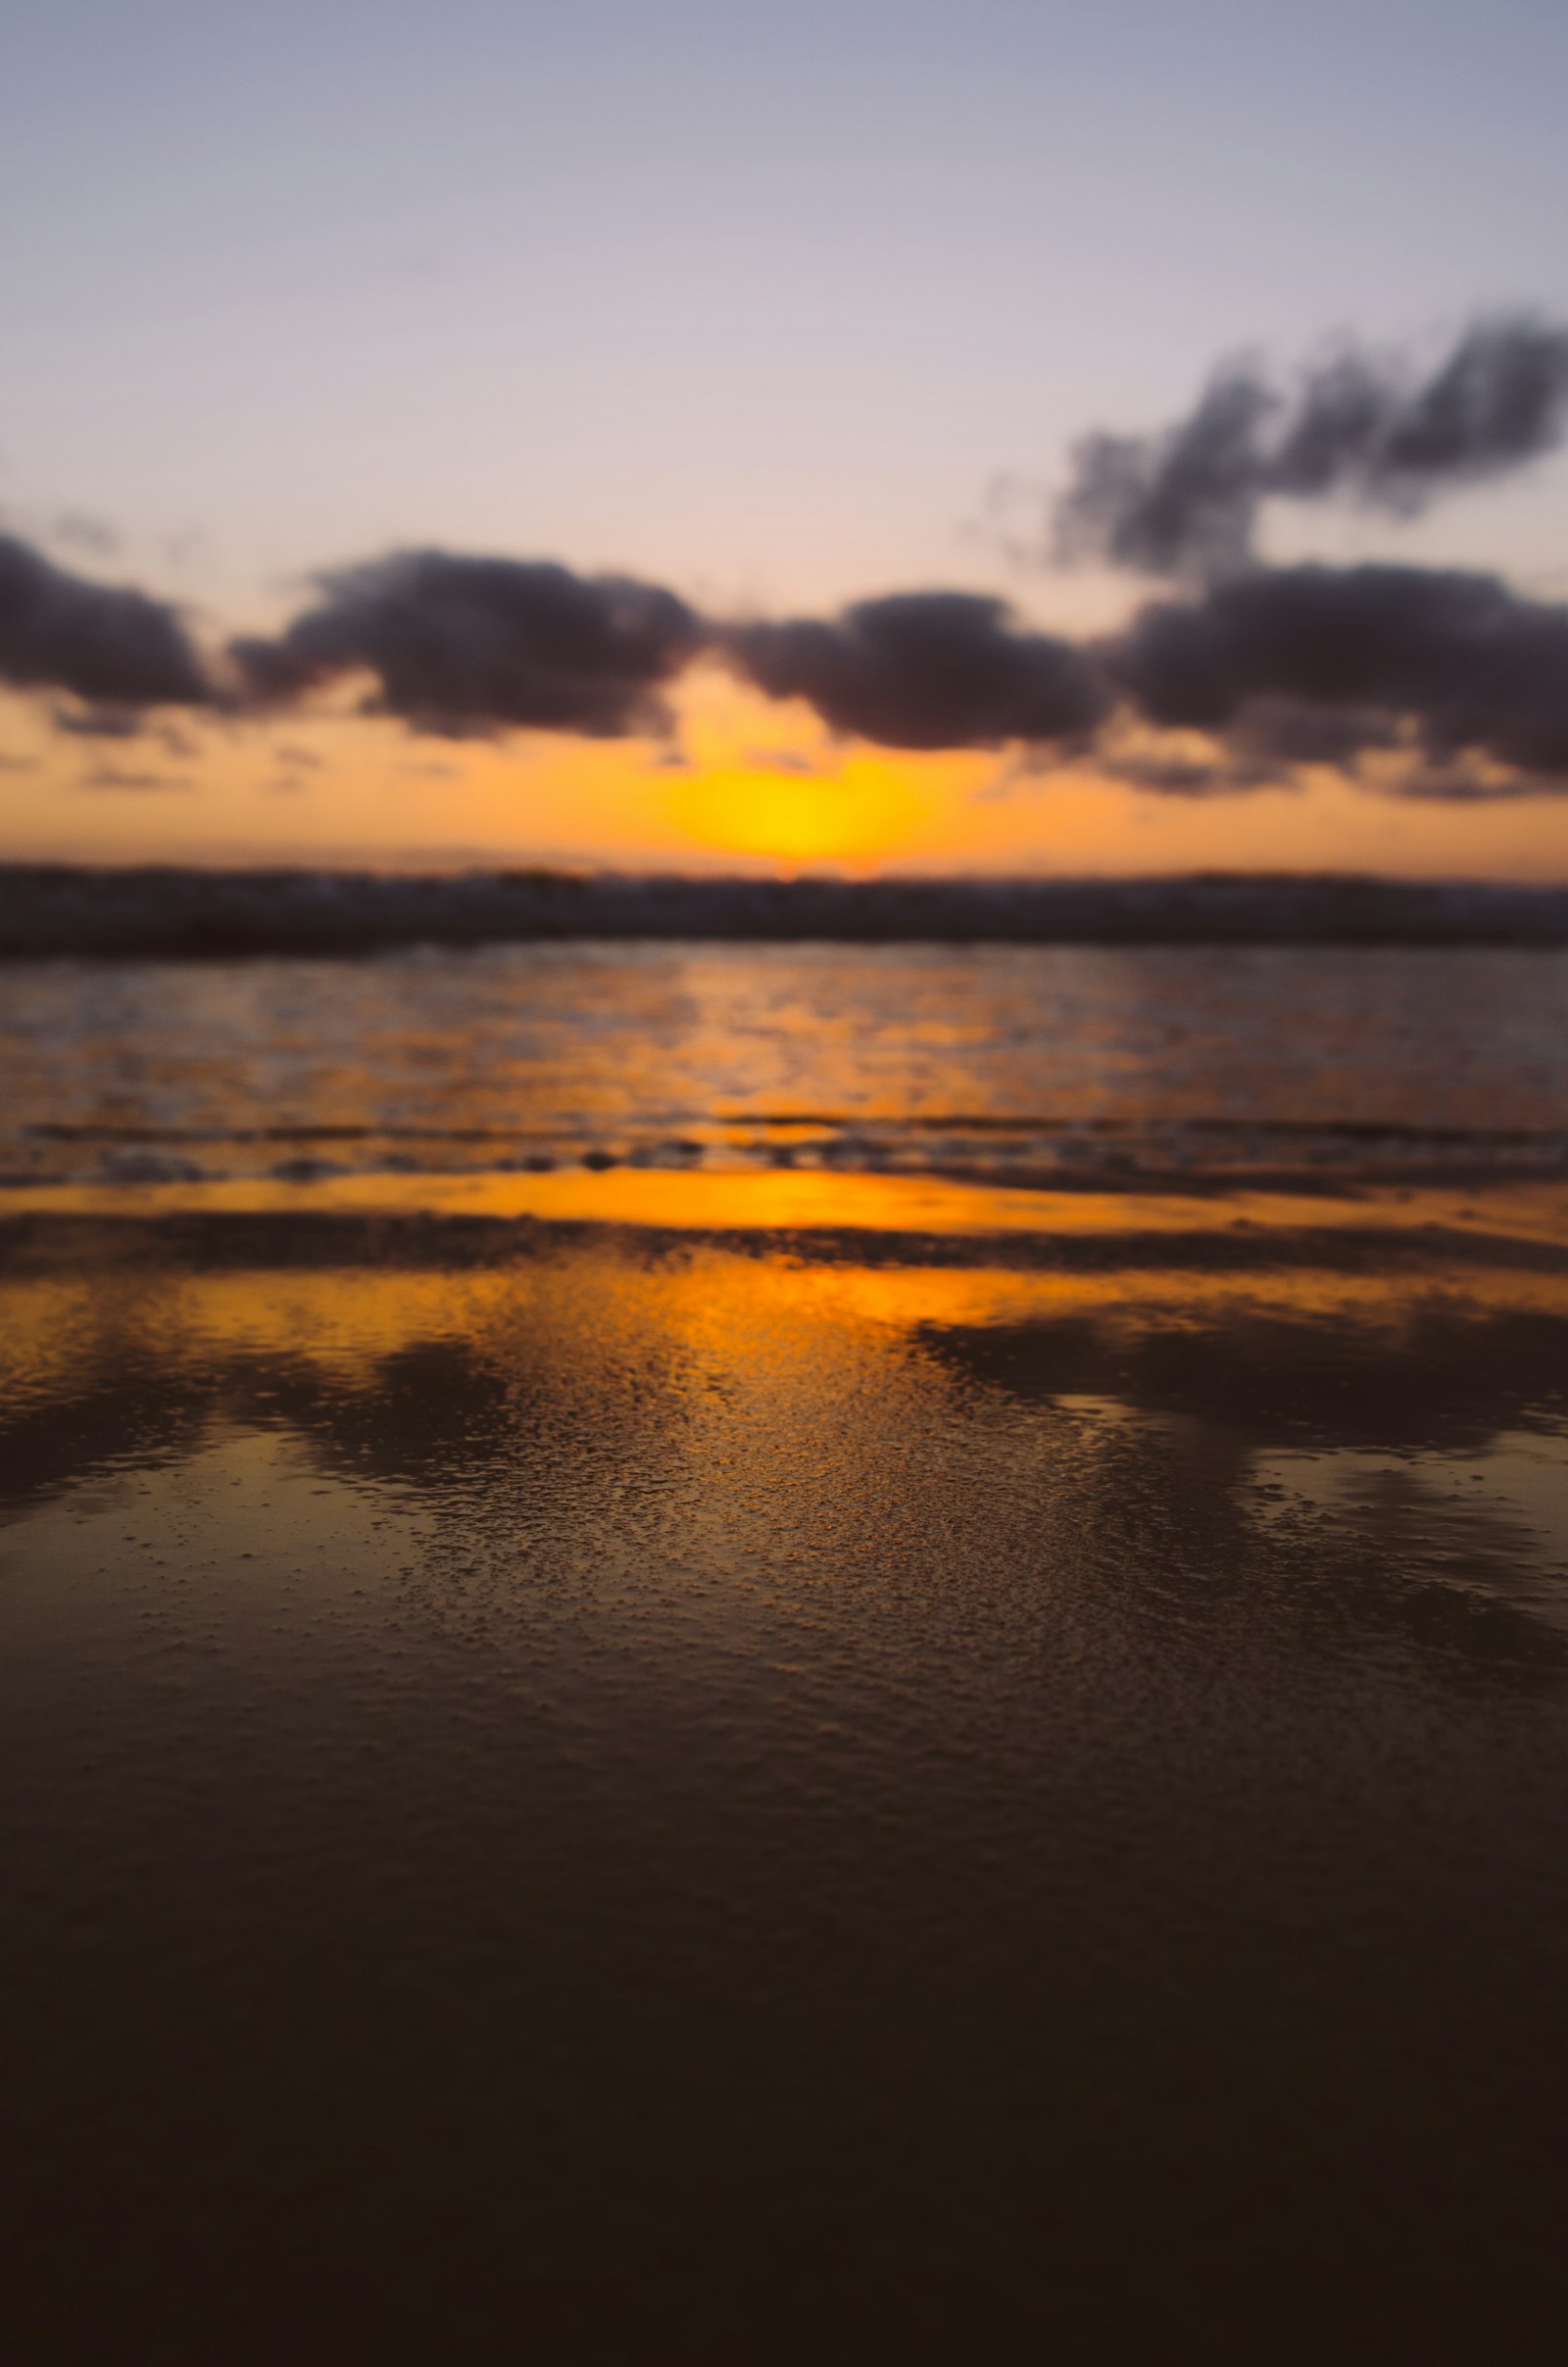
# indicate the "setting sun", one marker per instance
pixel 858 814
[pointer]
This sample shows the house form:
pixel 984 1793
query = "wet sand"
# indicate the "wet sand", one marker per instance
pixel 597 1791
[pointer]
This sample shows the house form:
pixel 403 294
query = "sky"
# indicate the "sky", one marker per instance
pixel 781 311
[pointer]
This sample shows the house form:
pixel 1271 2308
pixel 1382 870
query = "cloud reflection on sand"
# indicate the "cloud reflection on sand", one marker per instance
pixel 627 1776
pixel 432 1375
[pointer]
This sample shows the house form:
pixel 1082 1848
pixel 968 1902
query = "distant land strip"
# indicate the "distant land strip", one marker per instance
pixel 173 911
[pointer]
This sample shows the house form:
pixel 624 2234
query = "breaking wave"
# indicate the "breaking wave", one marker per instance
pixel 171 911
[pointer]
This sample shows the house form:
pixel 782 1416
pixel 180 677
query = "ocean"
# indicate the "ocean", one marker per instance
pixel 728 1653
pixel 1058 1064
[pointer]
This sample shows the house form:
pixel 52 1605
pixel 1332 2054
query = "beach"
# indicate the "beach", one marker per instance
pixel 618 1753
pixel 784 1186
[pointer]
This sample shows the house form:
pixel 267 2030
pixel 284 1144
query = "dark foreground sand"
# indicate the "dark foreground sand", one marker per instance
pixel 579 1793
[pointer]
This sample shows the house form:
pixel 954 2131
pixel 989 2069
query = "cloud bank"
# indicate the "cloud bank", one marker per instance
pixel 462 645
pixel 1185 501
pixel 1316 663
pixel 1431 680
pixel 111 646
pixel 926 670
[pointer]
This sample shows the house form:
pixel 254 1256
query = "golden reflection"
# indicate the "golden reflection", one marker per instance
pixel 771 1414
pixel 813 1200
pixel 728 1311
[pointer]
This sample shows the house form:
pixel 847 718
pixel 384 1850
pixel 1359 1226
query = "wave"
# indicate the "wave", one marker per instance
pixel 170 912
pixel 1096 1153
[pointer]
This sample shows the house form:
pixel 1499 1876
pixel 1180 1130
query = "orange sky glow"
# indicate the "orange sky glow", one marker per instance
pixel 745 785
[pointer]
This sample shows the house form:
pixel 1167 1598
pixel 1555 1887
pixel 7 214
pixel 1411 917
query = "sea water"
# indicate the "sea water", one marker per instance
pixel 1055 1061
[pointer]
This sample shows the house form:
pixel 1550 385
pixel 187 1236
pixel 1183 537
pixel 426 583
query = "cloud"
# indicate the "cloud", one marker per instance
pixel 926 671
pixel 1434 682
pixel 1180 774
pixel 103 719
pixel 1183 501
pixel 793 761
pixel 1186 500
pixel 107 644
pixel 1316 663
pixel 463 645
pixel 111 776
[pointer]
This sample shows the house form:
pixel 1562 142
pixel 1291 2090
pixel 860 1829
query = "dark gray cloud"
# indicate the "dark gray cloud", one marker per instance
pixel 1314 664
pixel 926 670
pixel 109 644
pixel 1182 500
pixel 1186 500
pixel 1276 729
pixel 463 645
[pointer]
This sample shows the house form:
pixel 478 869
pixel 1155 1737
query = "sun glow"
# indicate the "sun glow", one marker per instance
pixel 744 784
pixel 857 813
pixel 766 780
